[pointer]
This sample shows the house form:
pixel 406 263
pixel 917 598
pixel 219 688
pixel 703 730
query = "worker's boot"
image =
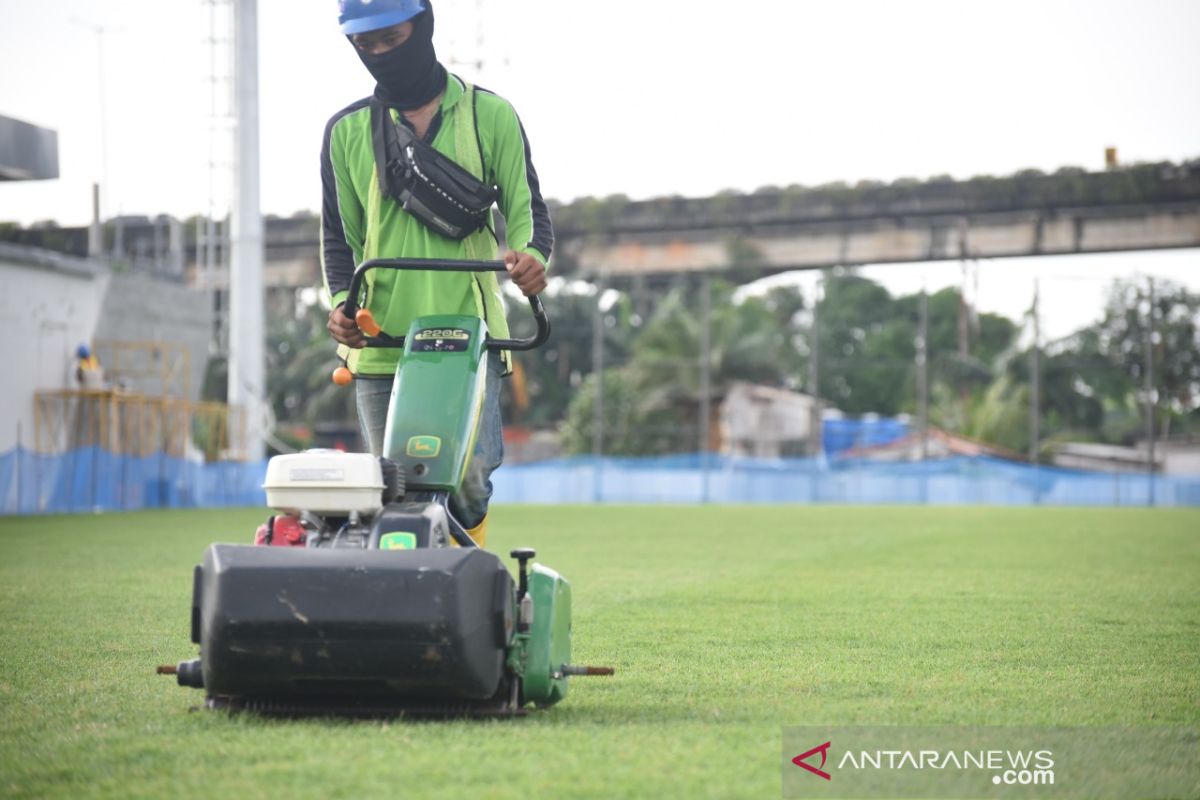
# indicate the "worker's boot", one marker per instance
pixel 479 533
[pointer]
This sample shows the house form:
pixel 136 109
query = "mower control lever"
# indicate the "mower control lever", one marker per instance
pixel 379 339
pixel 366 322
pixel 522 555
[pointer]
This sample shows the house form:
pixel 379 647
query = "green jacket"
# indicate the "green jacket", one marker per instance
pixel 359 223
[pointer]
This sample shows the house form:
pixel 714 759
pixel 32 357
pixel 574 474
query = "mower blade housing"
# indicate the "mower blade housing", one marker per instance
pixel 296 625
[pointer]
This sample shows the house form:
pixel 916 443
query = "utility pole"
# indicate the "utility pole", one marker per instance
pixel 216 255
pixel 246 358
pixel 814 373
pixel 480 61
pixel 1148 389
pixel 598 403
pixel 705 380
pixel 964 346
pixel 1035 400
pixel 923 374
pixel 95 231
pixel 598 370
pixel 100 197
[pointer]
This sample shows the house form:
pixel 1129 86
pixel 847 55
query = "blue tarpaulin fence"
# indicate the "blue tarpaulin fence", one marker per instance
pixel 948 481
pixel 92 479
pixel 840 435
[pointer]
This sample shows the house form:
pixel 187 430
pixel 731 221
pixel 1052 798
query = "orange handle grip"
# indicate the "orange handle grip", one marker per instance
pixel 342 376
pixel 366 322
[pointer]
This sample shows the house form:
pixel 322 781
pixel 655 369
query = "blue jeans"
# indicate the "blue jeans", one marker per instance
pixel 469 504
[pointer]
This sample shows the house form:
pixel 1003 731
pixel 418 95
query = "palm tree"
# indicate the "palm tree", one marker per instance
pixel 657 395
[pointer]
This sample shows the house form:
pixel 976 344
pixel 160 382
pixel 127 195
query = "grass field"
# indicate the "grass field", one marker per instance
pixel 725 624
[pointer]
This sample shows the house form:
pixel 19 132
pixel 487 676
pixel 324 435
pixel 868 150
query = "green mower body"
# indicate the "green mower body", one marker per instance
pixel 437 397
pixel 386 606
pixel 548 647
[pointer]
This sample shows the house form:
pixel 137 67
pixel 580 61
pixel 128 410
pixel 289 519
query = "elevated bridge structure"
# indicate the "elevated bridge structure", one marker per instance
pixel 1146 207
pixel 1143 207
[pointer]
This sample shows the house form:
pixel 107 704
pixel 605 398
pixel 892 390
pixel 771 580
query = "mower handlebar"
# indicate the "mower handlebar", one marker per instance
pixel 350 308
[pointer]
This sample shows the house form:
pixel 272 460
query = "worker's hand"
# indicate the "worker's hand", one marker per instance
pixel 344 330
pixel 526 272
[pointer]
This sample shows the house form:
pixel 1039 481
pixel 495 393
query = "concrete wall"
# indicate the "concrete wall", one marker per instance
pixel 57 302
pixel 52 305
pixel 138 308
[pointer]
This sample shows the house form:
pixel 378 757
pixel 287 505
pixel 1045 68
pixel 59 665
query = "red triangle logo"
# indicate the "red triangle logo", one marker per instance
pixel 824 751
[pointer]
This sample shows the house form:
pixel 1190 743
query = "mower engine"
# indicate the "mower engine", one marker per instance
pixel 327 498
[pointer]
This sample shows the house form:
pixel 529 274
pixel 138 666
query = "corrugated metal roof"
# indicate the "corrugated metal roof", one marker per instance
pixel 27 152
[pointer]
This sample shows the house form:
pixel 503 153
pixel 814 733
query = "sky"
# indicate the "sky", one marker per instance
pixel 644 98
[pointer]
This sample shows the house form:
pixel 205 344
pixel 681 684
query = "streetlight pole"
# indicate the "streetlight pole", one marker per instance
pixel 101 31
pixel 246 346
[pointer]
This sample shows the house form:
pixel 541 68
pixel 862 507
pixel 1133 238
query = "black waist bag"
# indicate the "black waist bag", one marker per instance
pixel 433 188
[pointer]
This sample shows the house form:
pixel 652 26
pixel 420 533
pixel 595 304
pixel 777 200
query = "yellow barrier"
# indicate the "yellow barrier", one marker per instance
pixel 137 424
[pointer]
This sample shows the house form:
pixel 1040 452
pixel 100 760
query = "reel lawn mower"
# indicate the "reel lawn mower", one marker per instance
pixel 364 596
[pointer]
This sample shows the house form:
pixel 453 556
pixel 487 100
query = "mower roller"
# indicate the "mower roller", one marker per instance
pixel 364 596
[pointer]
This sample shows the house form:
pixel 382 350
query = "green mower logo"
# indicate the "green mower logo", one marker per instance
pixel 398 541
pixel 424 447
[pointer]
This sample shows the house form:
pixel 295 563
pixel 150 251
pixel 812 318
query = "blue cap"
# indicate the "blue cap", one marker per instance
pixel 361 16
pixel 82 351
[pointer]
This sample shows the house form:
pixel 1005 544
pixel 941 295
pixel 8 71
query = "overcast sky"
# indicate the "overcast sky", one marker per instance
pixel 640 98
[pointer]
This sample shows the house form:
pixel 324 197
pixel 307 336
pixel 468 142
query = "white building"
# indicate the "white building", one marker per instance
pixel 764 422
pixel 52 306
pixel 1170 457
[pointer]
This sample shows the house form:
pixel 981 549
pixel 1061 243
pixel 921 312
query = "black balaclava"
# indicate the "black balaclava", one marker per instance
pixel 408 76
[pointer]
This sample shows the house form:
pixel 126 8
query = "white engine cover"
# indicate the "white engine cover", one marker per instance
pixel 324 482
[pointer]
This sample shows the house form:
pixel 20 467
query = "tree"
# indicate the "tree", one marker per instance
pixel 300 359
pixel 656 395
pixel 631 427
pixel 868 347
pixel 746 342
pixel 555 372
pixel 1123 333
pixel 1000 415
pixel 1093 380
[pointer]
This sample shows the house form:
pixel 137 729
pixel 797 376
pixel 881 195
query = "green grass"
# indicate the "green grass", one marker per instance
pixel 725 624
